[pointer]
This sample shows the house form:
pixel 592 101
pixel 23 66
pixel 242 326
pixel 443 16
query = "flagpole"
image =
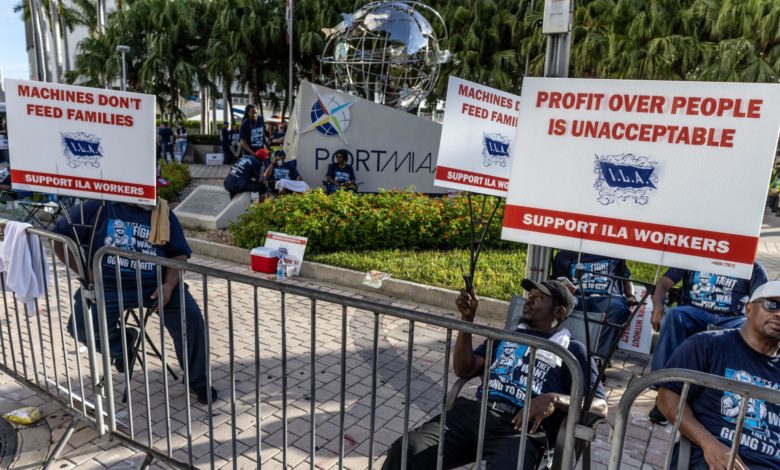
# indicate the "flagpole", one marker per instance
pixel 290 84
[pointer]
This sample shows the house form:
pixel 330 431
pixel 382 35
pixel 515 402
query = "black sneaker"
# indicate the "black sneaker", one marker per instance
pixel 131 335
pixel 202 394
pixel 656 417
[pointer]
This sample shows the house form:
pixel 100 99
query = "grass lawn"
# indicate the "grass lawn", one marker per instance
pixel 498 274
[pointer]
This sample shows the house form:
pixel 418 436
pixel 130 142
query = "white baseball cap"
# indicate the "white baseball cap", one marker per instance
pixel 765 291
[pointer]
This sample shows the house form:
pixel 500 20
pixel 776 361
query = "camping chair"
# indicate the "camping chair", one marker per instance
pixel 585 433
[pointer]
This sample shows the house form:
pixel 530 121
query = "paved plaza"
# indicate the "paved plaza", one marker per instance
pixel 258 430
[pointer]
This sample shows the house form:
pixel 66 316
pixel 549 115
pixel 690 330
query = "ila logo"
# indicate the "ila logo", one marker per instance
pixel 624 178
pixel 81 149
pixel 495 150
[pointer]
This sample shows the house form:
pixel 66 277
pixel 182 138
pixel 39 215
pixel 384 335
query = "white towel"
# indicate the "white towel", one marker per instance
pixel 24 264
pixel 290 185
pixel 562 337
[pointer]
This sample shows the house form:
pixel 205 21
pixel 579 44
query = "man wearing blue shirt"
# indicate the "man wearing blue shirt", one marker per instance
pixel 128 226
pixel 707 299
pixel 284 175
pixel 246 175
pixel 252 132
pixel 602 293
pixel 709 417
pixel 165 141
pixel 547 305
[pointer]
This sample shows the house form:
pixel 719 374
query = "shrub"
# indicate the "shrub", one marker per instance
pixel 348 221
pixel 203 139
pixel 178 175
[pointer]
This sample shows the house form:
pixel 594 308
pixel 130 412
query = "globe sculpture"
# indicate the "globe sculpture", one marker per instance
pixel 386 52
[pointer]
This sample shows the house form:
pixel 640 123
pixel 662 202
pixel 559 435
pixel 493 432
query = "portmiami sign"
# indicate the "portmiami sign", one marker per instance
pixel 387 148
pixel 671 173
pixel 84 142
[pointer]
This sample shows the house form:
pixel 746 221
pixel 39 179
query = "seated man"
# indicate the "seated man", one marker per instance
pixel 706 300
pixel 602 294
pixel 340 175
pixel 284 175
pixel 752 355
pixel 246 175
pixel 547 305
pixel 129 227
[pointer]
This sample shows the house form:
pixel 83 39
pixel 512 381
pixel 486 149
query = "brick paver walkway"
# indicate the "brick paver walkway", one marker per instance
pixel 645 448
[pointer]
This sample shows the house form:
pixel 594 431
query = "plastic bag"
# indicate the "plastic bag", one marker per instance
pixel 374 279
pixel 26 415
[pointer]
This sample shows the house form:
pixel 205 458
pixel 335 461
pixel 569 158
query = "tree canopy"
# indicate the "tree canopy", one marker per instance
pixel 183 45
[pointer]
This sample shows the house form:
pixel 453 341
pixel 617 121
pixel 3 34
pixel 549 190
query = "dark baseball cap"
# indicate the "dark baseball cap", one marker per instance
pixel 555 289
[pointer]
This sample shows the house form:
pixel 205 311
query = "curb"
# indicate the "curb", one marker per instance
pixel 410 292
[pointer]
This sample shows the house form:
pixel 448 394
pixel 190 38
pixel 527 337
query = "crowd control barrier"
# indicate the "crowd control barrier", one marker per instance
pixel 278 353
pixel 746 391
pixel 307 376
pixel 35 347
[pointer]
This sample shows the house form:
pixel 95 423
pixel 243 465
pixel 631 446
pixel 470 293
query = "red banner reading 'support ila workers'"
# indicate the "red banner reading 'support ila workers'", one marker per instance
pixel 726 247
pixel 115 188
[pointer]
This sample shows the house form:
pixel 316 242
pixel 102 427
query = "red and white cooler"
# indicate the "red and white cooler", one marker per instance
pixel 264 259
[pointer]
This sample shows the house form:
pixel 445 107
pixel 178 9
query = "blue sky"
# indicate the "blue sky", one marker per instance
pixel 13 57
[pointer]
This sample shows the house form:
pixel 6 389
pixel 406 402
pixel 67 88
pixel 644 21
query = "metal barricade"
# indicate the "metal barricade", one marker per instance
pixel 35 347
pixel 304 373
pixel 686 378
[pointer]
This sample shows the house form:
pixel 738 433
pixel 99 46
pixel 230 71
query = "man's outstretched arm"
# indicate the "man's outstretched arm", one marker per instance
pixel 715 453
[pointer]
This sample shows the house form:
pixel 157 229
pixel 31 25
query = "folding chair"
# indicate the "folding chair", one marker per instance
pixel 131 312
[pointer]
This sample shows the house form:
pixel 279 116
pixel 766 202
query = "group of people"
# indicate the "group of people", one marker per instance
pixel 743 343
pixel 173 143
pixel 264 171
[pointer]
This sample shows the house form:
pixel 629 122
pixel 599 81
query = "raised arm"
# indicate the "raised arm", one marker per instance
pixel 661 288
pixel 465 363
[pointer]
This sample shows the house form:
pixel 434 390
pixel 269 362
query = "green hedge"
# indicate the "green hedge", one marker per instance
pixel 348 221
pixel 203 139
pixel 179 177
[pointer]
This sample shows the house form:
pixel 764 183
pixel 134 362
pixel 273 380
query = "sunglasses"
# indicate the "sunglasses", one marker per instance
pixel 771 306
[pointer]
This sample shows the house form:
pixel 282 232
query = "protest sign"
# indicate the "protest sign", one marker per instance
pixel 638 337
pixel 671 173
pixel 84 142
pixel 292 247
pixel 477 138
pixel 387 147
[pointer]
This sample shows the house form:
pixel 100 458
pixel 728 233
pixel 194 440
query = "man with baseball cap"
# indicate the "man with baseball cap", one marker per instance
pixel 750 354
pixel 246 175
pixel 548 303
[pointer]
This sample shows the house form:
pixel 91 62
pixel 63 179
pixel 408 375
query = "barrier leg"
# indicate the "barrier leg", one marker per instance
pixel 61 445
pixel 147 461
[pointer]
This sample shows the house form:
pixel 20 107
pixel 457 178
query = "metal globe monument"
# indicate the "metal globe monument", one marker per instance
pixel 386 52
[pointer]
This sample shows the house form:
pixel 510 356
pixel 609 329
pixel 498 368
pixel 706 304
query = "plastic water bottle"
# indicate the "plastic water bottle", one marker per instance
pixel 281 271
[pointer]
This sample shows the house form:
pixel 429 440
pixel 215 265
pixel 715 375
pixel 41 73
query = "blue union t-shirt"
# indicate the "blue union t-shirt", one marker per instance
pixel 128 227
pixel 285 172
pixel 253 134
pixel 717 411
pixel 508 376
pixel 565 265
pixel 246 169
pixel 717 293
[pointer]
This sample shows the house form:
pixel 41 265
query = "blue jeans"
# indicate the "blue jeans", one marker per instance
pixel 196 331
pixel 166 151
pixel 181 149
pixel 616 310
pixel 680 323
